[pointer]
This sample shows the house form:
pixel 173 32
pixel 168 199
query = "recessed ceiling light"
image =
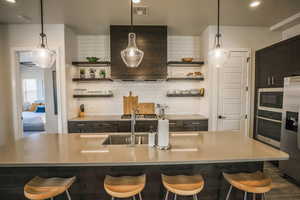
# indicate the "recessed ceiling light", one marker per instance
pixel 136 1
pixel 255 3
pixel 11 1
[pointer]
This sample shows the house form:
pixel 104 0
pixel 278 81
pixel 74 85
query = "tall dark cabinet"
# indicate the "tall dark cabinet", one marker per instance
pixel 276 62
pixel 273 64
pixel 150 39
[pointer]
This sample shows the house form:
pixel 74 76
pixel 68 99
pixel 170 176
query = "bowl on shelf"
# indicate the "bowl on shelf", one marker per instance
pixel 187 59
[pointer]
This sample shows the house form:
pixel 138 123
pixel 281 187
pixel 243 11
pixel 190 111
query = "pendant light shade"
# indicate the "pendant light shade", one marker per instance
pixel 42 56
pixel 218 54
pixel 132 56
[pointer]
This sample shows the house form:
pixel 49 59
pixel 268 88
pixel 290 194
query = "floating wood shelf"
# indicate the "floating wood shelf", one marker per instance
pixel 89 64
pixel 174 63
pixel 186 79
pixel 184 95
pixel 93 96
pixel 91 79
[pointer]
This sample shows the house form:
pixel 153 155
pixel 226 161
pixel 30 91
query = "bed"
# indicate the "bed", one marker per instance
pixel 33 121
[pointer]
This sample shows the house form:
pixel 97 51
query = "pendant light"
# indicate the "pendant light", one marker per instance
pixel 42 56
pixel 132 56
pixel 218 54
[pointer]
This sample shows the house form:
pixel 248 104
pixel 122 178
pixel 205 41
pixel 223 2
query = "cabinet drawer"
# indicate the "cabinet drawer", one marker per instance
pixel 124 126
pixel 146 126
pixel 188 125
pixel 92 127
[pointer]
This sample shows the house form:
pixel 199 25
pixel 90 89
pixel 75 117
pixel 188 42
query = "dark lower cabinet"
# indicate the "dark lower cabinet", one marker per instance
pixel 141 126
pixel 92 127
pixel 188 125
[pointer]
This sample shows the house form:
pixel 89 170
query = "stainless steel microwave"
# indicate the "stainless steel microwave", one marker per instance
pixel 270 99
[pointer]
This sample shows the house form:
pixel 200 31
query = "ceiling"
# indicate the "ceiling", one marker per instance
pixel 184 17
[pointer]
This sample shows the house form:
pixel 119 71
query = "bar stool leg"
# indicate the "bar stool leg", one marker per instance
pixel 112 198
pixel 167 195
pixel 195 197
pixel 68 195
pixel 254 196
pixel 245 196
pixel 133 198
pixel 140 196
pixel 175 196
pixel 228 194
pixel 264 196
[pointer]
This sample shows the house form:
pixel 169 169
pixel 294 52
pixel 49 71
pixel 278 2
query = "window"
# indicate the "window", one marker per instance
pixel 32 90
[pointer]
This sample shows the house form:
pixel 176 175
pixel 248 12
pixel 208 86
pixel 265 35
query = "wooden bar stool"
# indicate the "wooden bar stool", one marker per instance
pixel 125 186
pixel 256 183
pixel 47 188
pixel 183 185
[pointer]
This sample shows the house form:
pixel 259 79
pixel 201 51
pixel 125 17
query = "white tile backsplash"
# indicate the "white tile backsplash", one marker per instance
pixel 178 47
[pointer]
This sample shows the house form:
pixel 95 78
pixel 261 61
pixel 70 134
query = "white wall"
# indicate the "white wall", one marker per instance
pixel 5 94
pixel 71 45
pixel 252 38
pixel 26 36
pixel 291 32
pixel 178 47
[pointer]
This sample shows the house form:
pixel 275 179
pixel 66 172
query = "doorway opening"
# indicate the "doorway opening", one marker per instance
pixel 36 96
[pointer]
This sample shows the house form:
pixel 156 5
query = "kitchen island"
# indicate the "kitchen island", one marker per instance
pixel 84 156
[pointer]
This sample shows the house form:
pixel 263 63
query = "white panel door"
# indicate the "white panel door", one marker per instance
pixel 232 92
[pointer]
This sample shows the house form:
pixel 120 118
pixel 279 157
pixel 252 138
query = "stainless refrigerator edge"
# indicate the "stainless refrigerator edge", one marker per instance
pixel 290 133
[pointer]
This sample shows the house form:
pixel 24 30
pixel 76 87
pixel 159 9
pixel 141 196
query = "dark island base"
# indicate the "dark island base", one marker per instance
pixel 89 183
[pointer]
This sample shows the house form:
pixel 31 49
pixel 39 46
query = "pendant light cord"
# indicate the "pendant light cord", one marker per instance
pixel 43 35
pixel 131 16
pixel 218 34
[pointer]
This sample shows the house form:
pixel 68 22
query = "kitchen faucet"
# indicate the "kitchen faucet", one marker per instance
pixel 133 122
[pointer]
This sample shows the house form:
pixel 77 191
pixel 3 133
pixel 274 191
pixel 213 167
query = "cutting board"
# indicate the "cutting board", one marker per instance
pixel 146 108
pixel 130 103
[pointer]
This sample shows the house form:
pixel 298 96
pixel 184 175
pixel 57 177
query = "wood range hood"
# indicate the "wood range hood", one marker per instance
pixel 152 40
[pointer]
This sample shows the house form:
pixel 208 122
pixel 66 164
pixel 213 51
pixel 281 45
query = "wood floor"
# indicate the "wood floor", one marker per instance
pixel 282 188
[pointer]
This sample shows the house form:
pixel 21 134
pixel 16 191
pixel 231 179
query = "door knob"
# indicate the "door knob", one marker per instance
pixel 221 117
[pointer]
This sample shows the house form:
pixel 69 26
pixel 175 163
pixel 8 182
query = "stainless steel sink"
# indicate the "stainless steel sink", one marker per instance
pixel 125 139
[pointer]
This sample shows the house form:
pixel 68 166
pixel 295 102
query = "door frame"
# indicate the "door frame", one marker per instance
pixel 214 93
pixel 16 91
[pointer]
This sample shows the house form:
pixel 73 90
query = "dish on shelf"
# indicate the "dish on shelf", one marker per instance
pixel 195 92
pixel 187 59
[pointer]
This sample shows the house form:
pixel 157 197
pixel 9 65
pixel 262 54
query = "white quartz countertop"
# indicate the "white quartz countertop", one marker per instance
pixel 118 118
pixel 87 150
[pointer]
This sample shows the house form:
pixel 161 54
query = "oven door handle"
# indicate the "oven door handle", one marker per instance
pixel 271 120
pixel 298 134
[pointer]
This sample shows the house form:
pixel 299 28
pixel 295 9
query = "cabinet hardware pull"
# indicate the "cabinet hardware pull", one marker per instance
pixel 269 81
pixel 196 123
pixel 273 82
pixel 172 123
pixel 267 119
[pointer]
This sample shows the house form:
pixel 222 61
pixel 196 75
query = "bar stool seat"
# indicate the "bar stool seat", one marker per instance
pixel 45 188
pixel 124 186
pixel 256 182
pixel 183 185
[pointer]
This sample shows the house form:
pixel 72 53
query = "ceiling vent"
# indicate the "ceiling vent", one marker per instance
pixel 141 10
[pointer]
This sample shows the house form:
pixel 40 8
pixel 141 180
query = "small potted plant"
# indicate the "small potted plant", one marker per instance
pixel 102 73
pixel 82 73
pixel 92 73
pixel 92 59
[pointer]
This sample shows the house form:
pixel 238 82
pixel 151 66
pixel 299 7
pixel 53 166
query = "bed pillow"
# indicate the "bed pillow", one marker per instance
pixel 40 109
pixel 33 107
